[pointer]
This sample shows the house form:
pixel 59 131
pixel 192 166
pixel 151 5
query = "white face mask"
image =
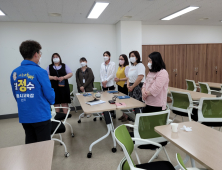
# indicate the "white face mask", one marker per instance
pixel 83 64
pixel 56 60
pixel 106 58
pixel 133 59
pixel 39 61
pixel 149 65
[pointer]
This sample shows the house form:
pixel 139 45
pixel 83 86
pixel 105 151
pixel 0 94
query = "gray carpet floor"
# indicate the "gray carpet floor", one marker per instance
pixel 12 134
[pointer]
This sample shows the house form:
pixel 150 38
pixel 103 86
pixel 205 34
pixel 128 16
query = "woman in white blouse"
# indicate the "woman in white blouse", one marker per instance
pixel 107 72
pixel 136 77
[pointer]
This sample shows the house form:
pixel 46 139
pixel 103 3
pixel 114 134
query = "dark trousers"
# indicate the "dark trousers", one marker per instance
pixel 123 89
pixel 149 109
pixel 37 132
pixel 110 88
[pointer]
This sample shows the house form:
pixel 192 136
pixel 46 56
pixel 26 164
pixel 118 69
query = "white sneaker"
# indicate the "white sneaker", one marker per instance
pixel 88 116
pixel 83 115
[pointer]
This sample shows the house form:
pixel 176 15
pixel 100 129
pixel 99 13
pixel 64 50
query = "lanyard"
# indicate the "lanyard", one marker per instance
pixel 83 74
pixel 106 69
pixel 56 70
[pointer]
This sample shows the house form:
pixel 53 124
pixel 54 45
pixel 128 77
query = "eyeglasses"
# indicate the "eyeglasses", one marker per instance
pixel 40 52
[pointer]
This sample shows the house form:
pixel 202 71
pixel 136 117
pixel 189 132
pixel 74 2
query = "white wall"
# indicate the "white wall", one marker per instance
pixel 129 36
pixel 70 41
pixel 180 34
pixel 73 41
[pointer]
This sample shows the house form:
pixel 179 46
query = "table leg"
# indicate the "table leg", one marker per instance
pixel 192 162
pixel 184 161
pixel 110 127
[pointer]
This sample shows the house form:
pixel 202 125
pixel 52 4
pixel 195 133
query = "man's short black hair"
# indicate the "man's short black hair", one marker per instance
pixel 157 62
pixel 28 48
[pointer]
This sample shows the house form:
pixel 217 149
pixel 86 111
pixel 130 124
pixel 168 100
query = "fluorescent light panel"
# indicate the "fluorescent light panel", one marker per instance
pixel 98 8
pixel 1 13
pixel 179 13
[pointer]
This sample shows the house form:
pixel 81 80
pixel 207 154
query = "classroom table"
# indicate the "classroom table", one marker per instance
pixel 35 156
pixel 105 108
pixel 212 85
pixel 194 95
pixel 202 144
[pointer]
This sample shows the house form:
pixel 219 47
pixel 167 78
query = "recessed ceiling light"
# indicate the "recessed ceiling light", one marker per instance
pixel 97 9
pixel 128 17
pixel 179 13
pixel 2 13
pixel 54 14
pixel 201 19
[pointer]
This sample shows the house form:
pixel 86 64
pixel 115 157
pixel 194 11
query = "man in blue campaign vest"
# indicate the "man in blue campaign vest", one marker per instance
pixel 32 90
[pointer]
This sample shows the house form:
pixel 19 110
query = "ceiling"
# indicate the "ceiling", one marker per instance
pixel 148 11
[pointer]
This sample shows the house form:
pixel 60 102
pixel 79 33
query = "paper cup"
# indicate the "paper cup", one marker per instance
pixel 94 90
pixel 174 127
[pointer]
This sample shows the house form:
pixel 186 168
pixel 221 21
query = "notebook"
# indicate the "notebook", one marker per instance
pixel 120 104
pixel 123 97
pixel 95 102
pixel 87 94
pixel 113 91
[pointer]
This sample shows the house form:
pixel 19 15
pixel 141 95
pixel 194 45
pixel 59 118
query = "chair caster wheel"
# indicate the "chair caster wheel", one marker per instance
pixel 94 119
pixel 60 143
pixel 79 121
pixel 113 150
pixel 67 154
pixel 72 134
pixel 101 118
pixel 89 155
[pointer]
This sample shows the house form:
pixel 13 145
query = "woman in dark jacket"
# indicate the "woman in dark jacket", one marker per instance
pixel 84 77
pixel 59 73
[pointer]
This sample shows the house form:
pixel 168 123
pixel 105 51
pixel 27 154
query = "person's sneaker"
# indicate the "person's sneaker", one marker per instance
pixel 83 115
pixel 88 116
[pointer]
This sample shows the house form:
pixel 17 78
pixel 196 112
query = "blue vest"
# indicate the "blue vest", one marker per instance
pixel 32 90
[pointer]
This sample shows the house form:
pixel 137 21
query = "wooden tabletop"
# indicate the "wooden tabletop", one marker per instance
pixel 130 103
pixel 105 96
pixel 36 156
pixel 203 144
pixel 213 85
pixel 194 95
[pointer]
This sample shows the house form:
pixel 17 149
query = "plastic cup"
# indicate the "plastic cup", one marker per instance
pixel 174 127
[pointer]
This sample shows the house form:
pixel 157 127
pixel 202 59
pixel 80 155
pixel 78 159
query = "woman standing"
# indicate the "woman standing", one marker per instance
pixel 107 72
pixel 135 77
pixel 156 85
pixel 121 79
pixel 84 77
pixel 59 73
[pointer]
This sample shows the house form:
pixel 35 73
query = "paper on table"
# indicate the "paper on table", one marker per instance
pixel 77 93
pixel 188 129
pixel 120 104
pixel 95 103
